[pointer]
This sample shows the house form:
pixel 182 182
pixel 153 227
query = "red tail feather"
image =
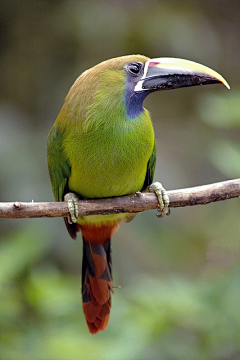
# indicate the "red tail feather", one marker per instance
pixel 96 276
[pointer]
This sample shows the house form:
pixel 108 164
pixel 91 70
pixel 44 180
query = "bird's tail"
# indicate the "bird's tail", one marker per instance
pixel 96 280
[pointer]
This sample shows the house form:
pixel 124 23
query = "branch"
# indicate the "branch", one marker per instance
pixel 138 202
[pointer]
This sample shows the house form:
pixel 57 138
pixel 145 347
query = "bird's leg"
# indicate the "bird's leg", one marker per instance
pixel 72 201
pixel 163 199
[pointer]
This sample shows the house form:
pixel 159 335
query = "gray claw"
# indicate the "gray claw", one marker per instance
pixel 163 199
pixel 72 200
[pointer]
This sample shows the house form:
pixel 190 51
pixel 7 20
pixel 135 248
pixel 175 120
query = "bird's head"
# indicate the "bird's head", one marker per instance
pixel 129 79
pixel 144 77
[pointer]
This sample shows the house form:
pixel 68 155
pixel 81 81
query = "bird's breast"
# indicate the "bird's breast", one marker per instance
pixel 111 161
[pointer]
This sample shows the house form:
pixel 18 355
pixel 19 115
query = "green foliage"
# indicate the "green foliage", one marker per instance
pixel 223 112
pixel 162 318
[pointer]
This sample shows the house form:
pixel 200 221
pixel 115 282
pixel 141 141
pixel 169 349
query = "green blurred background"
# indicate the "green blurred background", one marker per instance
pixel 180 276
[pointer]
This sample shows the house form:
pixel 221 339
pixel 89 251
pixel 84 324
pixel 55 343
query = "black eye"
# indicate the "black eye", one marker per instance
pixel 134 68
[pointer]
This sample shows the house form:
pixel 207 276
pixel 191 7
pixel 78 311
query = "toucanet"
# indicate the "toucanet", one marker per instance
pixel 102 145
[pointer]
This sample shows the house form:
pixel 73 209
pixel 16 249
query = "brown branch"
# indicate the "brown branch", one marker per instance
pixel 199 195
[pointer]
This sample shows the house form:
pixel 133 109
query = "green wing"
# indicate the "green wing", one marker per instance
pixel 59 171
pixel 58 166
pixel 150 169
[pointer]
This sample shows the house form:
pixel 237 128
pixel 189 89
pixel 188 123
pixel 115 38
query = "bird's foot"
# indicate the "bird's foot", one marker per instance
pixel 163 199
pixel 72 201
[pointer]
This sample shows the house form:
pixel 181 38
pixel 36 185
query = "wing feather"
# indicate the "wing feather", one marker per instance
pixel 150 169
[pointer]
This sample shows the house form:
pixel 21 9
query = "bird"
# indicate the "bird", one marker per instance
pixel 101 145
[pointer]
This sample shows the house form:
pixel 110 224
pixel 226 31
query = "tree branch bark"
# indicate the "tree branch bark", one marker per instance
pixel 138 202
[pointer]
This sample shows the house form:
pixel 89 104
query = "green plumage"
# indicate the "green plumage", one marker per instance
pixel 102 145
pixel 94 148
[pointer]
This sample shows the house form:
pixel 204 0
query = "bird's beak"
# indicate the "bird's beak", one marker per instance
pixel 172 73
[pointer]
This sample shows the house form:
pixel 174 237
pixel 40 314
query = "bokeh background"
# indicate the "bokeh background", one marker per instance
pixel 180 276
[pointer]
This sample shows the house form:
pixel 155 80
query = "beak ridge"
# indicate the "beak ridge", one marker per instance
pixel 172 73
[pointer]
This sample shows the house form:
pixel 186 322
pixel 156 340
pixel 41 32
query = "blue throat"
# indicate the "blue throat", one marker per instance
pixel 134 100
pixel 134 103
